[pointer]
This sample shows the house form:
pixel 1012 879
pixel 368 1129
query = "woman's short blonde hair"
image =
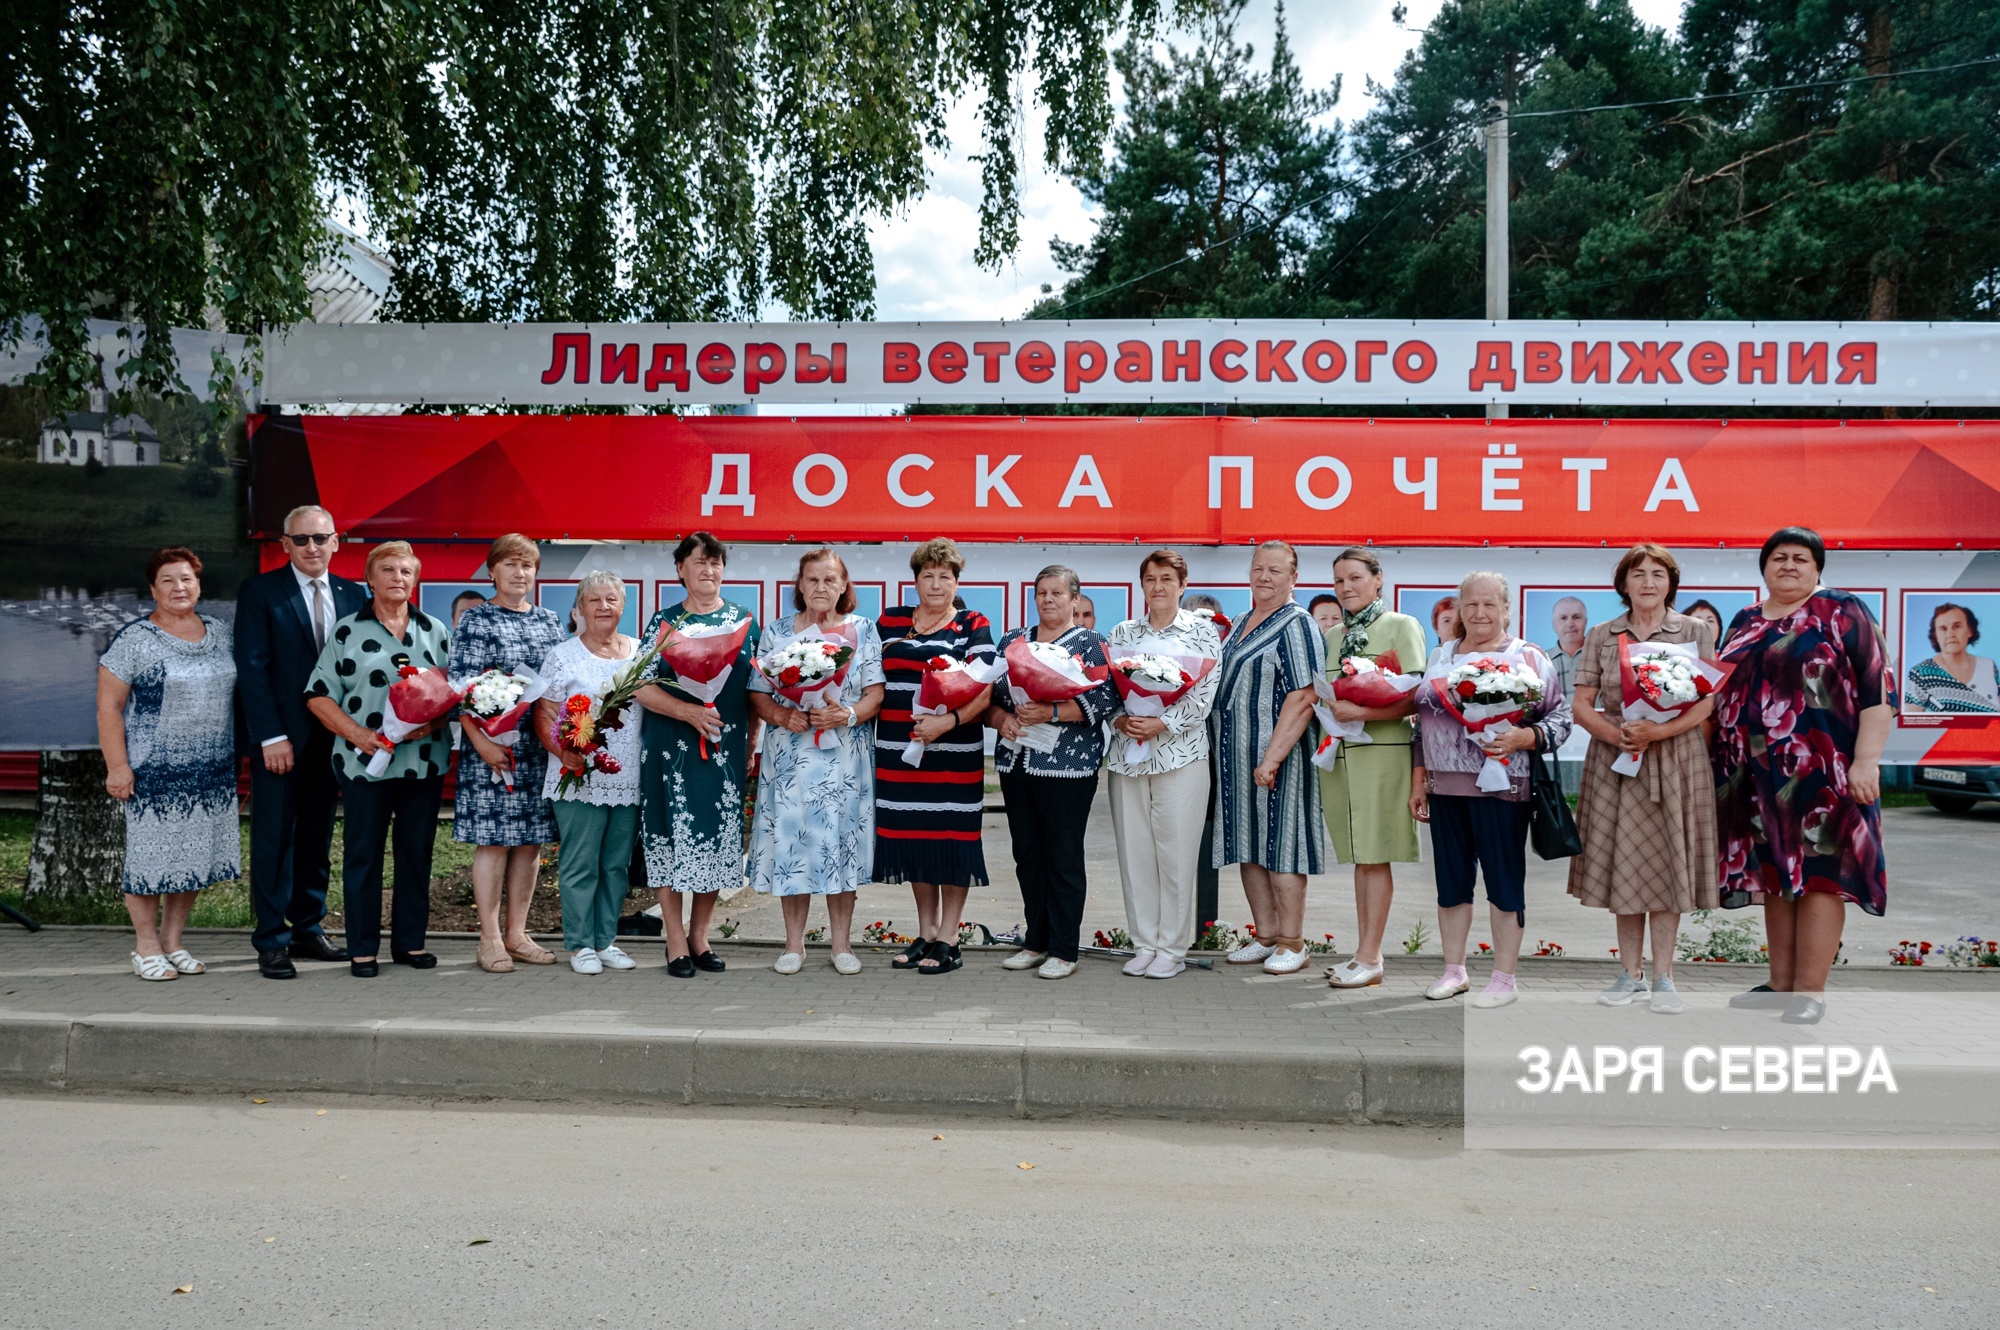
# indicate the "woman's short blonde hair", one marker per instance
pixel 597 579
pixel 393 549
pixel 513 545
pixel 941 552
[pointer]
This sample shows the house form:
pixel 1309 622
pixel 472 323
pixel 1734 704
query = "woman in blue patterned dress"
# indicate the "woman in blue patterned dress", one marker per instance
pixel 814 831
pixel 694 765
pixel 499 807
pixel 1267 812
pixel 165 697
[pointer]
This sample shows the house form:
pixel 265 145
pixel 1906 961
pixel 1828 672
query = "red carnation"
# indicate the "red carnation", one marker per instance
pixel 1466 688
pixel 791 676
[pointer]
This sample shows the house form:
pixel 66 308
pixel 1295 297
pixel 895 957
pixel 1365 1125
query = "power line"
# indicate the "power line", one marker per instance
pixel 1232 239
pixel 1750 92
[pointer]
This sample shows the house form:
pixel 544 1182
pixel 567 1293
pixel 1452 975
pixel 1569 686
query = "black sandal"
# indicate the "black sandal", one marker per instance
pixel 907 959
pixel 944 954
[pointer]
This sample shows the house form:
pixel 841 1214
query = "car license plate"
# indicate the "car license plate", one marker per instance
pixel 1945 775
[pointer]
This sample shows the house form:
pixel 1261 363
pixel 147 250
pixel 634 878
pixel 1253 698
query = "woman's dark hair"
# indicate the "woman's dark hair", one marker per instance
pixel 845 605
pixel 171 554
pixel 1322 599
pixel 1639 554
pixel 703 542
pixel 1721 623
pixel 1165 559
pixel 1362 555
pixel 1802 536
pixel 1973 623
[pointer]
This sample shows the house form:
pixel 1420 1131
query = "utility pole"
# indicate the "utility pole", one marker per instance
pixel 1499 258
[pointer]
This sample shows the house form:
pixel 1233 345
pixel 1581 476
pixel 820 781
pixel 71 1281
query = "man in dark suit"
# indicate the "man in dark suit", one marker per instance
pixel 283 618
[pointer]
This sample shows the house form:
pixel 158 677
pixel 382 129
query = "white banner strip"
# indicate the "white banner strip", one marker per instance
pixel 1332 363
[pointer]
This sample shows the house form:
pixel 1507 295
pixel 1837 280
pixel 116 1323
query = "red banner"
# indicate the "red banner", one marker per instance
pixel 1200 480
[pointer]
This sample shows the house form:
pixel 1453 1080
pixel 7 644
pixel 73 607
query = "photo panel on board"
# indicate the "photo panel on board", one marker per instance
pixel 989 598
pixel 435 598
pixel 1723 603
pixel 560 597
pixel 1421 604
pixel 1950 656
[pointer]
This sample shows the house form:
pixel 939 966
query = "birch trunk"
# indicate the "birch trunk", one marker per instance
pixel 79 845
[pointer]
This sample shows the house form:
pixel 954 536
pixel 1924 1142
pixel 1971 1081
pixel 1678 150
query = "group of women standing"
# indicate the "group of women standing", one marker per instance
pixel 1766 790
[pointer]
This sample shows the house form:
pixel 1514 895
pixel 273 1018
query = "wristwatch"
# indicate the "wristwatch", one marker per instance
pixel 853 717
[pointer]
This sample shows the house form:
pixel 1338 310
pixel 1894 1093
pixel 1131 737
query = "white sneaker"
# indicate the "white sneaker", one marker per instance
pixel 614 959
pixel 1165 966
pixel 1056 968
pixel 1024 960
pixel 584 960
pixel 1282 961
pixel 789 963
pixel 1249 953
pixel 1141 959
pixel 1666 999
pixel 847 963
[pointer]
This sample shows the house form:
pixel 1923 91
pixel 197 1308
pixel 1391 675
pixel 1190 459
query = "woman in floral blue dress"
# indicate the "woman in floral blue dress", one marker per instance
pixel 694 765
pixel 1800 727
pixel 814 830
pixel 499 806
pixel 165 690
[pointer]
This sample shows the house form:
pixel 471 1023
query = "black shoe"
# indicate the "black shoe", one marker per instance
pixel 1804 1011
pixel 710 962
pixel 363 969
pixel 316 947
pixel 416 960
pixel 681 967
pixel 1760 998
pixel 276 964
pixel 943 956
pixel 907 958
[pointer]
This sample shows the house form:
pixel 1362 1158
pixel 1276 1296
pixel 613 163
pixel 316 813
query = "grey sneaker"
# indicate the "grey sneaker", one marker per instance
pixel 1666 1000
pixel 1623 991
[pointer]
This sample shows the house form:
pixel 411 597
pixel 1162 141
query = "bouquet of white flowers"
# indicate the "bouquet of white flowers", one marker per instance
pixel 1150 682
pixel 808 671
pixel 1490 693
pixel 1658 681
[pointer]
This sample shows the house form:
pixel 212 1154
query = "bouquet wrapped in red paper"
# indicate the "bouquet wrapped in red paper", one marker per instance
pixel 1150 681
pixel 1658 681
pixel 702 655
pixel 1490 693
pixel 495 701
pixel 1045 672
pixel 416 699
pixel 1366 683
pixel 948 685
pixel 809 670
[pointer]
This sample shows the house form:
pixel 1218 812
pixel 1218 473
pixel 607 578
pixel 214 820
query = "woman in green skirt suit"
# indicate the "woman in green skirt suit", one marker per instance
pixel 1366 797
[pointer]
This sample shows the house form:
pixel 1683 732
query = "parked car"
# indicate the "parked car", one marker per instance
pixel 1957 789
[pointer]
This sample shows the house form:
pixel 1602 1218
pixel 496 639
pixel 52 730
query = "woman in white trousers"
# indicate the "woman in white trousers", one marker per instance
pixel 1158 803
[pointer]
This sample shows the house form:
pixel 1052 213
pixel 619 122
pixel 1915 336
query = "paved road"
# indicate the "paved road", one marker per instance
pixel 275 1214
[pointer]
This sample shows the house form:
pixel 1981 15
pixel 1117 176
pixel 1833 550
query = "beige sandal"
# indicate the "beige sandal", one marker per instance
pixel 493 958
pixel 531 954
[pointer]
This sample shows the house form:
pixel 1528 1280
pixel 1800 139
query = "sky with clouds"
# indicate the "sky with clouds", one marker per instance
pixel 923 256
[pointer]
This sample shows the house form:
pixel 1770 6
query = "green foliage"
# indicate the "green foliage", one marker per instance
pixel 171 162
pixel 1868 199
pixel 1216 157
pixel 50 506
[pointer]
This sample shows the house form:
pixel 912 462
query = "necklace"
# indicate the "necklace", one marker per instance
pixel 916 630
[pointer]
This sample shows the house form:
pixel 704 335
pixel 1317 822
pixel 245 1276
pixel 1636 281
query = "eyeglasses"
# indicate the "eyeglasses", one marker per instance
pixel 311 538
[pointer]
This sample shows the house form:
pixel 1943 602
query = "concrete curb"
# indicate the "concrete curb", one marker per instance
pixel 1027 1078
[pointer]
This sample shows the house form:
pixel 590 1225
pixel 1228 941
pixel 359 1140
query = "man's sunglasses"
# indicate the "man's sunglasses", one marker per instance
pixel 311 538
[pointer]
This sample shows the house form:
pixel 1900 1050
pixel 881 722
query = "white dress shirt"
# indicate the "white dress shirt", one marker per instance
pixel 306 585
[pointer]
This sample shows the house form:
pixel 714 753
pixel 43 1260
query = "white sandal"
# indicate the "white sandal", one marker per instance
pixel 153 968
pixel 185 963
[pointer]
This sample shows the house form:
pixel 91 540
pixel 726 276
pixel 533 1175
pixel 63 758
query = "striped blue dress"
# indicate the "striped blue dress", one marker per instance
pixel 1279 828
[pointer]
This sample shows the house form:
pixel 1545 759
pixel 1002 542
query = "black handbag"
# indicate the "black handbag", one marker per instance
pixel 1551 826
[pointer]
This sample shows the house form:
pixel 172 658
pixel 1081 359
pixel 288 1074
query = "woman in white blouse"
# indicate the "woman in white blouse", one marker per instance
pixel 1157 804
pixel 599 818
pixel 814 829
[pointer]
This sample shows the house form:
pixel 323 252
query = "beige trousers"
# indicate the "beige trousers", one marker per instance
pixel 1157 821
